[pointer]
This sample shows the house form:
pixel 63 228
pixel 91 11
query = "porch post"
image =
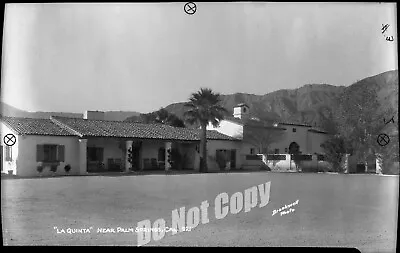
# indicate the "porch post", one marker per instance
pixel 378 163
pixel 127 163
pixel 346 163
pixel 168 146
pixel 82 156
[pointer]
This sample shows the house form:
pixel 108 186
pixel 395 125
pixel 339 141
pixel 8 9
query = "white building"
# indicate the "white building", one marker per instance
pixel 306 138
pixel 93 145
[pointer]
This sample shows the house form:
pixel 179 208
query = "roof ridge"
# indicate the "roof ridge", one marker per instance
pixel 116 121
pixel 34 126
pixel 65 127
pixel 10 126
pixel 11 117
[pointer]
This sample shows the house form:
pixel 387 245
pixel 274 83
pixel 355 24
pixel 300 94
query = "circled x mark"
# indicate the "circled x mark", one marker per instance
pixel 190 8
pixel 383 139
pixel 9 139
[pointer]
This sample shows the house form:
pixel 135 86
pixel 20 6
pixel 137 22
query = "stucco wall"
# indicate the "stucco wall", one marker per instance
pixel 9 165
pixel 213 145
pixel 300 137
pixel 26 161
pixel 281 165
pixel 309 142
pixel 228 128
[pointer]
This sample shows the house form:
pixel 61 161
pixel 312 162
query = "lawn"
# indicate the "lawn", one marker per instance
pixel 333 210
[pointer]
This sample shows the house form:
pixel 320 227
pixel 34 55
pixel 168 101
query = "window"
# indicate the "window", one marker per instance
pixel 252 151
pixel 8 153
pixel 276 157
pixel 95 154
pixel 253 157
pixel 244 109
pixel 286 150
pixel 50 153
pixel 294 130
pixel 277 151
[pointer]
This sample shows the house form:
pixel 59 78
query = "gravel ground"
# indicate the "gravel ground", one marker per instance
pixel 333 210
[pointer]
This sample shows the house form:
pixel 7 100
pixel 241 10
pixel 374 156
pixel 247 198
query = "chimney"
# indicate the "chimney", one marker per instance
pixel 95 115
pixel 241 111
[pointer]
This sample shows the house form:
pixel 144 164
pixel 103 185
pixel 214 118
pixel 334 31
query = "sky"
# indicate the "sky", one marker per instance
pixel 144 56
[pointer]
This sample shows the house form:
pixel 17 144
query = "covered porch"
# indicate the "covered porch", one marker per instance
pixel 108 154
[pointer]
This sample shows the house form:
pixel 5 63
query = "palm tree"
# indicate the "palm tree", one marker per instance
pixel 204 107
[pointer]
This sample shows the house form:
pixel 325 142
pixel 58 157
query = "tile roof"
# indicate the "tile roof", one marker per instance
pixel 254 123
pixel 242 104
pixel 215 135
pixel 261 123
pixel 62 126
pixel 102 128
pixel 234 120
pixel 318 131
pixel 30 126
pixel 294 124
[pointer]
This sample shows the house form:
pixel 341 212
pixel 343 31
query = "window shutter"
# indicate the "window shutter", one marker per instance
pixel 39 153
pixel 61 153
pixel 8 153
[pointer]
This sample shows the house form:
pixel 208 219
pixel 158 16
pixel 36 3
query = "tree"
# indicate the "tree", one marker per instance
pixel 334 149
pixel 294 151
pixel 262 137
pixel 204 107
pixel 161 116
pixel 359 122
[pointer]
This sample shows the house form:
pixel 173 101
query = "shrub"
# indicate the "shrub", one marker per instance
pixel 53 168
pixel 39 169
pixel 67 168
pixel 265 167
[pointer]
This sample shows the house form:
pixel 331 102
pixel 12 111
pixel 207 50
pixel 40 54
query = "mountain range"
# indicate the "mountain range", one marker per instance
pixel 310 104
pixel 10 111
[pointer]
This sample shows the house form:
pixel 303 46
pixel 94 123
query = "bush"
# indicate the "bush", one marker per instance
pixel 391 169
pixel 265 167
pixel 67 168
pixel 53 168
pixel 39 169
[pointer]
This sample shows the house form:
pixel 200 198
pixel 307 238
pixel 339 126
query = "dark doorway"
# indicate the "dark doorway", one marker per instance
pixel 360 168
pixel 233 159
pixel 136 147
pixel 94 158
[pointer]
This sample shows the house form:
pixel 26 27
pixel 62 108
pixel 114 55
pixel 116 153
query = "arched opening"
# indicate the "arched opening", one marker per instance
pixel 294 148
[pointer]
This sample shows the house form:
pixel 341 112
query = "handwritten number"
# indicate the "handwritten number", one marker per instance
pixel 390 38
